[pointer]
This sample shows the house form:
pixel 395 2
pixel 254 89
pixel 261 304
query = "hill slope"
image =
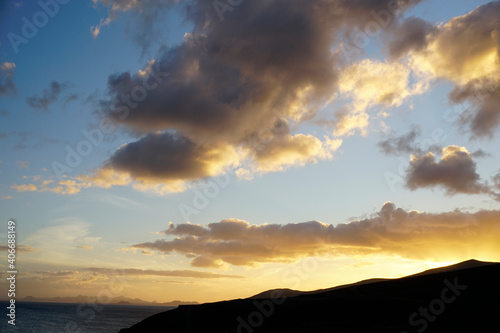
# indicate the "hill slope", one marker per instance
pixel 458 298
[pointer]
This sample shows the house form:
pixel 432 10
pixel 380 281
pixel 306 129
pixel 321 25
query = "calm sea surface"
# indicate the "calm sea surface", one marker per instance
pixel 74 318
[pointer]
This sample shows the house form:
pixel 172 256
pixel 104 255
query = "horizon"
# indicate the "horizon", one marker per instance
pixel 202 151
pixel 117 301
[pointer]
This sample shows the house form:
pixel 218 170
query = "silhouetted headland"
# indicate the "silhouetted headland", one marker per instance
pixel 458 298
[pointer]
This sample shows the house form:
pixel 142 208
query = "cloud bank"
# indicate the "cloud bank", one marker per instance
pixel 392 231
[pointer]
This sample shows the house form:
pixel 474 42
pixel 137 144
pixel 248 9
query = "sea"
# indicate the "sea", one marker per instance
pixel 74 318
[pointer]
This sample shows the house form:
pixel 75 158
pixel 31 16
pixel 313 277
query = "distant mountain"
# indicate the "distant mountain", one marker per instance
pixel 458 298
pixel 462 265
pixel 283 292
pixel 121 300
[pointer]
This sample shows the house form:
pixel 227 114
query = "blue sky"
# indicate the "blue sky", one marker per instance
pixel 328 166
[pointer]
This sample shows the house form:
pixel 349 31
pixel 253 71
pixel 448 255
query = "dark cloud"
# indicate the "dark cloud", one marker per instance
pixel 148 15
pixel 409 35
pixel 480 154
pixel 7 85
pixel 455 172
pixel 483 118
pixel 70 98
pixel 465 50
pixel 496 181
pixel 392 231
pixel 264 63
pixel 228 79
pixel 405 144
pixel 169 156
pixel 395 145
pixel 49 95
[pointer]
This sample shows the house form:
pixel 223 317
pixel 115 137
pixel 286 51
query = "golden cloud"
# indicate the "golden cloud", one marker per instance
pixel 369 83
pixel 392 231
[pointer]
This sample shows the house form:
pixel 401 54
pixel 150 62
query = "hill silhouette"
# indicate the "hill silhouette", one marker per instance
pixel 458 298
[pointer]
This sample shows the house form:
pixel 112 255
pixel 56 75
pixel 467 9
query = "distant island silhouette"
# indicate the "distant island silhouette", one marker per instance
pixel 459 298
pixel 119 300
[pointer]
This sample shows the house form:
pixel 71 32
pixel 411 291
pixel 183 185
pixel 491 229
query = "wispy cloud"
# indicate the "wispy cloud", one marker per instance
pixel 151 272
pixel 49 95
pixel 7 85
pixel 24 187
pixel 23 164
pixel 19 248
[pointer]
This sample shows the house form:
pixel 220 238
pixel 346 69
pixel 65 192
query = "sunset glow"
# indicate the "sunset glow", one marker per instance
pixel 177 150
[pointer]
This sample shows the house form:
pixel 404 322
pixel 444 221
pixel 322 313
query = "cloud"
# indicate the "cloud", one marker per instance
pixel 298 150
pixel 85 247
pixel 23 164
pixel 57 242
pixel 410 35
pixel 480 154
pixel 48 97
pixel 241 85
pixel 496 186
pixel 496 181
pixel 466 51
pixel 147 16
pixel 408 143
pixel 65 186
pixel 146 13
pixel 7 84
pixel 151 272
pixel 391 231
pixel 63 279
pixel 484 116
pixel 167 156
pixel 24 187
pixel 365 83
pixel 99 278
pixel 19 248
pixel 455 172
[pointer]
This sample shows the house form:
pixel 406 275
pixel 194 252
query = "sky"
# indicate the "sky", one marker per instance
pixel 208 150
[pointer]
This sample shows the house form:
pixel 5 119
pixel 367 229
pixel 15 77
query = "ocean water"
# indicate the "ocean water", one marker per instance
pixel 74 318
